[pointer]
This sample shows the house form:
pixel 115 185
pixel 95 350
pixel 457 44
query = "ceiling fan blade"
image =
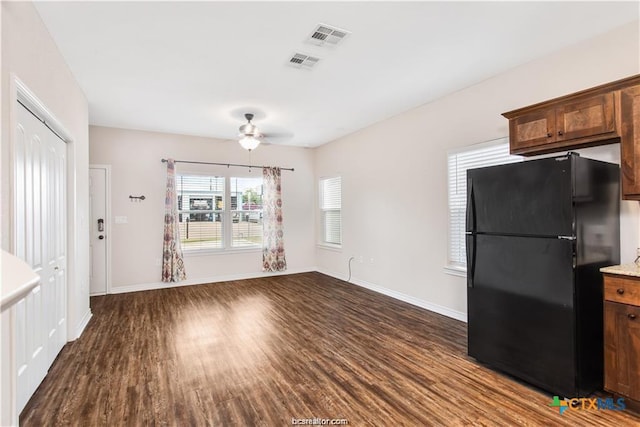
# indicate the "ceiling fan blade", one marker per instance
pixel 278 137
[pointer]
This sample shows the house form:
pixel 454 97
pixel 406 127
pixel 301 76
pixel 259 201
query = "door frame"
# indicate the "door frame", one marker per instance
pixel 20 92
pixel 107 220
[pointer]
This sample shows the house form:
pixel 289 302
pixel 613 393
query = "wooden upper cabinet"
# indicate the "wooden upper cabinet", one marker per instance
pixel 605 114
pixel 533 129
pixel 592 116
pixel 560 126
pixel 630 142
pixel 584 119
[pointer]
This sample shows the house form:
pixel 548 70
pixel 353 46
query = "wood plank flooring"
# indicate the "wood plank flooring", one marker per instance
pixel 263 351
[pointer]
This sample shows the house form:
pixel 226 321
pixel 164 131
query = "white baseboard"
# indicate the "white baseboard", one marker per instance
pixel 214 279
pixel 436 308
pixel 82 325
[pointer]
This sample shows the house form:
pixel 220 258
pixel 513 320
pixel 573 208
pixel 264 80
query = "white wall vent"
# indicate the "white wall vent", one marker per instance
pixel 326 34
pixel 300 60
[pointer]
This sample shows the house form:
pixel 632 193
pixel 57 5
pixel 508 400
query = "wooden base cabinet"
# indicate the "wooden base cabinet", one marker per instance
pixel 622 336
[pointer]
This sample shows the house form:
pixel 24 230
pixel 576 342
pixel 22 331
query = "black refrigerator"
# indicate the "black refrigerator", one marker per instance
pixel 537 233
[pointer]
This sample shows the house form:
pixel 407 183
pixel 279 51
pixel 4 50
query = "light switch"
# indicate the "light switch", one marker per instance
pixel 121 220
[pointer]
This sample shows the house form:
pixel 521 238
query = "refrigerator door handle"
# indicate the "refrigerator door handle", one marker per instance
pixel 567 238
pixel 471 258
pixel 471 207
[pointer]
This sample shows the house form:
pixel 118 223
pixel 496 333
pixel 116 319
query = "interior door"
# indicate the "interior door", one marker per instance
pixel 56 293
pixel 99 225
pixel 40 240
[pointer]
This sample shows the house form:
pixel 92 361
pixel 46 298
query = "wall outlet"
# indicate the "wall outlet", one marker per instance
pixel 360 259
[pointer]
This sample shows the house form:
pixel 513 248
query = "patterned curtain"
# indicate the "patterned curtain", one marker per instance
pixel 172 262
pixel 273 258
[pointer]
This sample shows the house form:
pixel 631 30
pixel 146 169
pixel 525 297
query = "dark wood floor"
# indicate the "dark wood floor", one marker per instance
pixel 261 352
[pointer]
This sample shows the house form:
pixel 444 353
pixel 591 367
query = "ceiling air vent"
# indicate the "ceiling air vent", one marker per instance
pixel 300 60
pixel 324 34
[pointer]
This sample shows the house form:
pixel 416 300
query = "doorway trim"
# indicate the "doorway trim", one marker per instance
pixel 107 170
pixel 19 92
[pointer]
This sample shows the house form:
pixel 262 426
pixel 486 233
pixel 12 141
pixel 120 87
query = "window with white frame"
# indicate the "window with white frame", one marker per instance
pixel 218 213
pixel 487 154
pixel 330 210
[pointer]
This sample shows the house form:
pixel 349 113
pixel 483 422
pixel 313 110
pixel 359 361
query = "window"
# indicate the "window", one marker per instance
pixel 217 213
pixel 246 212
pixel 487 154
pixel 330 210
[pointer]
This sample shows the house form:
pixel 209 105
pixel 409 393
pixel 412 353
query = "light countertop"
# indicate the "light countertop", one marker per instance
pixel 624 269
pixel 18 279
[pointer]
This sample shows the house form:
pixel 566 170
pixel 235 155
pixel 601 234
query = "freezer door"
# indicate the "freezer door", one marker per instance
pixel 520 309
pixel 527 198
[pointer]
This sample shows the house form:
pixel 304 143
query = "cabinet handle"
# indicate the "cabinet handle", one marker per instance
pixel 560 133
pixel 620 291
pixel 549 134
pixel 631 316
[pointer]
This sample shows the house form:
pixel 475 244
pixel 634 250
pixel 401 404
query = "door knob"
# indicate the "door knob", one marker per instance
pixel 101 237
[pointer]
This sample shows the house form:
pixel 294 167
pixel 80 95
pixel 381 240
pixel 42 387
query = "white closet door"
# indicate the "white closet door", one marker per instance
pixel 40 240
pixel 56 255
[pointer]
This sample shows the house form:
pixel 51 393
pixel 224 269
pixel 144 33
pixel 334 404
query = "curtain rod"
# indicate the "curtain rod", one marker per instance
pixel 226 164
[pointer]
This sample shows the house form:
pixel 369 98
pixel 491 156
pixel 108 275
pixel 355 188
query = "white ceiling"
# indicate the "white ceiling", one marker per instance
pixel 195 68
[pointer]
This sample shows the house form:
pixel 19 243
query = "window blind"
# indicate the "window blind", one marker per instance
pixel 488 154
pixel 331 206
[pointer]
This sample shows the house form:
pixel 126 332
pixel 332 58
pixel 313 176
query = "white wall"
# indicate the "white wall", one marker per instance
pixel 394 173
pixel 135 158
pixel 29 53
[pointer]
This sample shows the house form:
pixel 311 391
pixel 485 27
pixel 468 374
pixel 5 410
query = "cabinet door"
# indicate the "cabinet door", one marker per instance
pixel 585 118
pixel 630 142
pixel 622 349
pixel 532 129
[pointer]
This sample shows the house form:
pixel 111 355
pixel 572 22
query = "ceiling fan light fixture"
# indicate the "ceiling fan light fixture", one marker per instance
pixel 249 142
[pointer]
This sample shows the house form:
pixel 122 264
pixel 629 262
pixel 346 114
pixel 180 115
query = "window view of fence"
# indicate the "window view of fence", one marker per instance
pixel 212 218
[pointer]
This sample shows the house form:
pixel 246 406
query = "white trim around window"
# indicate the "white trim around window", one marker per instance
pixel 219 214
pixel 491 153
pixel 330 209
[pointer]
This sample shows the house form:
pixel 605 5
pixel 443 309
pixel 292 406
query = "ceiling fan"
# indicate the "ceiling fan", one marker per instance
pixel 249 135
